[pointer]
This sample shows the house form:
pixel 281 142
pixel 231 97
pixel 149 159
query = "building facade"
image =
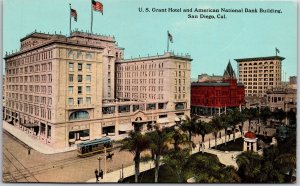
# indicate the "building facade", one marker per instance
pixel 62 90
pixel 213 97
pixel 259 74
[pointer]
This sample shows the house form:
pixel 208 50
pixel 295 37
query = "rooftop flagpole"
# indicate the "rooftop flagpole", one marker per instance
pixel 91 16
pixel 70 18
pixel 168 41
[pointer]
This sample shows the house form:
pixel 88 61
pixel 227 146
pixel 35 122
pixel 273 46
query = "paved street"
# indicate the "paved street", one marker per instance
pixel 18 166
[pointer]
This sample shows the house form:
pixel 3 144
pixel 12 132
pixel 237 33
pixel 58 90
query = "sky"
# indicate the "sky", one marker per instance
pixel 210 42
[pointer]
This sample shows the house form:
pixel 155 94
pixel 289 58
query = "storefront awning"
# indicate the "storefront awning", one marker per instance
pixel 162 120
pixel 125 127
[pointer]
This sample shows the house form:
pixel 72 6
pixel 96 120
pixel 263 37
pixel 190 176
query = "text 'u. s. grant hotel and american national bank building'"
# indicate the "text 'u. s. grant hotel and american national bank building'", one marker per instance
pixel 64 90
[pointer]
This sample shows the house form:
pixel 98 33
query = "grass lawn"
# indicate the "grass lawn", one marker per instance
pixel 165 174
pixel 238 144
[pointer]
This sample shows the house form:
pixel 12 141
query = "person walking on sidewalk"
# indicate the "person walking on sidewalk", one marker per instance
pixel 97 175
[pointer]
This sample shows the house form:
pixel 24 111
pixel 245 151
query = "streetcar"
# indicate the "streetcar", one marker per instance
pixel 91 147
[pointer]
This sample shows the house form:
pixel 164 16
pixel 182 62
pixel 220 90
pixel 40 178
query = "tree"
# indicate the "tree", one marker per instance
pixel 135 143
pixel 291 114
pixel 179 138
pixel 202 128
pixel 225 123
pixel 189 125
pixel 177 161
pixel 279 115
pixel 208 169
pixel 265 114
pixel 249 164
pixel 216 127
pixel 288 163
pixel 252 114
pixel 158 145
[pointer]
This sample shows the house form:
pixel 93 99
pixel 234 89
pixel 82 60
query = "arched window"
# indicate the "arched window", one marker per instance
pixel 79 115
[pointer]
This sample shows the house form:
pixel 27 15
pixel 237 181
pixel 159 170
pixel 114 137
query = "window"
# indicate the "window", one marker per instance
pixel 71 66
pixel 88 100
pixel 79 66
pixel 88 67
pixel 70 89
pixel 71 77
pixel 79 89
pixel 79 115
pixel 88 78
pixel 70 101
pixel 79 78
pixel 88 89
pixel 79 101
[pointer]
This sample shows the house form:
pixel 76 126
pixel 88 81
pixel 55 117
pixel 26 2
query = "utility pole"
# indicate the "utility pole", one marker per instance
pixel 105 161
pixel 99 158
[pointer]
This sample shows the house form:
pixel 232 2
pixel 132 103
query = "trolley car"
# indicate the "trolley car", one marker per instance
pixel 91 147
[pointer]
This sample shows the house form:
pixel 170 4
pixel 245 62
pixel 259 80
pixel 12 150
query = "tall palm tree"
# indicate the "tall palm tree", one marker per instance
pixel 177 161
pixel 252 114
pixel 203 128
pixel 189 125
pixel 225 122
pixel 216 127
pixel 179 138
pixel 159 145
pixel 135 143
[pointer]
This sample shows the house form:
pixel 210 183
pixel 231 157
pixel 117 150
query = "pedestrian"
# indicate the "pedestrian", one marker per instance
pixel 97 175
pixel 28 150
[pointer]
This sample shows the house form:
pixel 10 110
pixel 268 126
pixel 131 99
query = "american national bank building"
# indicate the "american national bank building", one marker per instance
pixel 63 90
pixel 215 95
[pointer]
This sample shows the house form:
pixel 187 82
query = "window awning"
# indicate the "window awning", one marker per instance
pixel 162 120
pixel 125 127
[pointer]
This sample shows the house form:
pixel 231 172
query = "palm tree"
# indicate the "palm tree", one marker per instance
pixel 243 118
pixel 135 143
pixel 216 127
pixel 225 122
pixel 288 163
pixel 236 118
pixel 249 164
pixel 177 161
pixel 159 145
pixel 252 114
pixel 189 126
pixel 279 115
pixel 179 138
pixel 203 128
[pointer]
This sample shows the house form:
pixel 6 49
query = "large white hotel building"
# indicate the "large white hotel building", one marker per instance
pixel 64 90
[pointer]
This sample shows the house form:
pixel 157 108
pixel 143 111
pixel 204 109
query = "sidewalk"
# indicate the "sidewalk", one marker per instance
pixel 33 143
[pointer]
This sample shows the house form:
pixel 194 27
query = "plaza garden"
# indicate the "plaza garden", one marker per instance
pixel 170 150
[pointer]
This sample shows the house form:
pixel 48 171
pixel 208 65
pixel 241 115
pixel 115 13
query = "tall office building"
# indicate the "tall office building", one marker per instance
pixel 259 74
pixel 61 90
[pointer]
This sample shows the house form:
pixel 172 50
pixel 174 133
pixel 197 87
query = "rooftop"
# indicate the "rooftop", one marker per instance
pixel 260 58
pixel 155 57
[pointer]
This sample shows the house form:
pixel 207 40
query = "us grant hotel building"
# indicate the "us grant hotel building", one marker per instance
pixel 64 90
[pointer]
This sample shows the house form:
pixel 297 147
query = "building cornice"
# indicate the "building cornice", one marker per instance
pixel 260 58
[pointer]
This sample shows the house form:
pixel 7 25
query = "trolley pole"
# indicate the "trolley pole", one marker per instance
pixel 99 158
pixel 104 161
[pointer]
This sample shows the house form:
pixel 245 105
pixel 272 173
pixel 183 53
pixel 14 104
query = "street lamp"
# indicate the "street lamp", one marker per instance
pixel 99 159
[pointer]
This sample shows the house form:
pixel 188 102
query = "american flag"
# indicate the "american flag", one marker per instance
pixel 74 14
pixel 170 37
pixel 97 6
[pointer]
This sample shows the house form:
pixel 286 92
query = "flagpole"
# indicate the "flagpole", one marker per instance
pixel 276 51
pixel 70 18
pixel 168 42
pixel 91 16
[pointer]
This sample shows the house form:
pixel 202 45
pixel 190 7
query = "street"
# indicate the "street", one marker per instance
pixel 19 166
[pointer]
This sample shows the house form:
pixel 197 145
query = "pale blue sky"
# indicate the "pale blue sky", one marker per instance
pixel 211 43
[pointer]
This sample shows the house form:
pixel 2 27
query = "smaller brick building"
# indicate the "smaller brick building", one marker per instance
pixel 214 97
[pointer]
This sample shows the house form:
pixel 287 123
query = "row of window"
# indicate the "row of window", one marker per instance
pixel 29 98
pixel 259 63
pixel 141 88
pixel 46 78
pixel 138 96
pixel 88 78
pixel 33 110
pixel 79 89
pixel 135 67
pixel 30 88
pixel 139 74
pixel 79 66
pixel 259 71
pixel 45 67
pixel 30 59
pixel 88 100
pixel 179 81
